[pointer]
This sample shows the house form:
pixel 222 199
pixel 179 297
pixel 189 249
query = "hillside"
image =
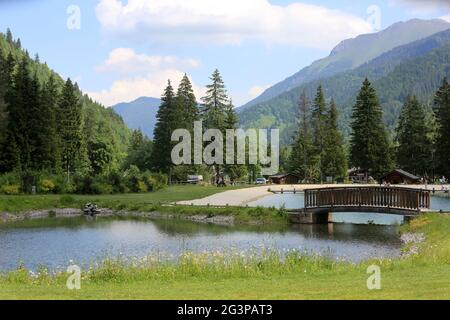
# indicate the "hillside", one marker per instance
pixel 352 53
pixel 416 68
pixel 100 124
pixel 139 114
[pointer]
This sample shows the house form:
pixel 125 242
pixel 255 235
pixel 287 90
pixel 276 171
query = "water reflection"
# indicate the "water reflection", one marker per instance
pixel 53 242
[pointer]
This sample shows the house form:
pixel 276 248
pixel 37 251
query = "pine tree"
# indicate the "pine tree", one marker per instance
pixel 9 36
pixel 39 147
pixel 69 126
pixel 319 118
pixel 187 108
pixel 334 160
pixel 50 150
pixel 165 125
pixel 17 150
pixel 216 112
pixel 216 103
pixel 5 72
pixel 369 145
pixel 413 138
pixel 234 171
pixel 442 111
pixel 301 160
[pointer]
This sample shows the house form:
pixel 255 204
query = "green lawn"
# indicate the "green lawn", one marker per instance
pixel 425 275
pixel 15 204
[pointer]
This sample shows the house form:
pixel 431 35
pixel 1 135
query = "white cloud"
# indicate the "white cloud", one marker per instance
pixel 125 61
pixel 152 85
pixel 255 91
pixel 429 5
pixel 229 22
pixel 141 75
pixel 446 18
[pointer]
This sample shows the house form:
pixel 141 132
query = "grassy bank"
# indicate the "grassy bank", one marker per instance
pixel 21 203
pixel 160 201
pixel 422 275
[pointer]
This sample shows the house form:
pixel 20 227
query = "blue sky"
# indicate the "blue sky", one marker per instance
pixel 126 49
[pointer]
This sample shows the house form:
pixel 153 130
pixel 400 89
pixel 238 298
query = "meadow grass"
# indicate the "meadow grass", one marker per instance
pixel 266 274
pixel 21 203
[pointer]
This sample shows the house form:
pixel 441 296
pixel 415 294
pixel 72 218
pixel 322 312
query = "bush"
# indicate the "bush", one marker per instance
pixel 141 187
pixel 46 186
pixel 83 184
pixel 101 188
pixel 13 189
pixel 117 181
pixel 155 181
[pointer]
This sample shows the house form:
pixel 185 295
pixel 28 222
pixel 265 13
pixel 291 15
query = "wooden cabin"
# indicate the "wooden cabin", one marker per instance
pixel 399 176
pixel 284 178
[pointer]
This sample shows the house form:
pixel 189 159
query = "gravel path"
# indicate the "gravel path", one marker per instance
pixel 243 196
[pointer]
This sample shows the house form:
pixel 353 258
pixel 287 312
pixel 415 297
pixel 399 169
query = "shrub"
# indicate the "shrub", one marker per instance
pixel 83 184
pixel 13 189
pixel 155 181
pixel 133 178
pixel 101 188
pixel 117 181
pixel 141 187
pixel 46 186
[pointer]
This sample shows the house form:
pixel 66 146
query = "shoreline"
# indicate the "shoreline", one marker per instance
pixel 242 197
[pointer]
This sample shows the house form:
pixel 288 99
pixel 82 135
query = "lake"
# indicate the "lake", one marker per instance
pixel 56 242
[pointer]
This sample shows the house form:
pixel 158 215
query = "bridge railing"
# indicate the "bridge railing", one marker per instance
pixel 368 196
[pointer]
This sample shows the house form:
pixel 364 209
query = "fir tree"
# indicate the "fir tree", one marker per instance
pixel 319 118
pixel 334 160
pixel 187 108
pixel 9 36
pixel 302 159
pixel 165 125
pixel 369 144
pixel 17 151
pixel 69 125
pixel 216 103
pixel 216 111
pixel 50 150
pixel 413 138
pixel 442 111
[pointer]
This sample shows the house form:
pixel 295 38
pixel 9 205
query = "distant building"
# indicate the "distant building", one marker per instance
pixel 399 176
pixel 284 178
pixel 357 175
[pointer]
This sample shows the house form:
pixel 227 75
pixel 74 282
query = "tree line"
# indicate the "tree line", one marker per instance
pixel 179 110
pixel 420 145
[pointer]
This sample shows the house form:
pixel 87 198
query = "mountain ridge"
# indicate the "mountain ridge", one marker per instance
pixel 139 114
pixel 349 54
pixel 414 68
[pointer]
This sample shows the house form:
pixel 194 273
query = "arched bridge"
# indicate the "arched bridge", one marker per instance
pixel 390 200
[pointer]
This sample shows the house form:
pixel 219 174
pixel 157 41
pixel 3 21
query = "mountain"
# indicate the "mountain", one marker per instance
pixel 352 53
pixel 416 68
pixel 139 114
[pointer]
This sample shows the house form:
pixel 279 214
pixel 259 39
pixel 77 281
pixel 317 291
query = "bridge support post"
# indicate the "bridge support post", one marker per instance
pixel 304 217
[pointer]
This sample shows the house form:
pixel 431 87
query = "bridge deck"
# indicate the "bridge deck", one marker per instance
pixel 403 201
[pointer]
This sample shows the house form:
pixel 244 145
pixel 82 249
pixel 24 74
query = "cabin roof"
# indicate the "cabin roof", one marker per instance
pixel 403 173
pixel 282 175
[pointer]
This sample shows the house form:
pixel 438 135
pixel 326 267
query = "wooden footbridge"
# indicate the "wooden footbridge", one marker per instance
pixel 389 200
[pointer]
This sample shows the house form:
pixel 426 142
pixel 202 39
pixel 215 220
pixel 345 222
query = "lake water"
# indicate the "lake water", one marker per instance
pixel 54 242
pixel 296 201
